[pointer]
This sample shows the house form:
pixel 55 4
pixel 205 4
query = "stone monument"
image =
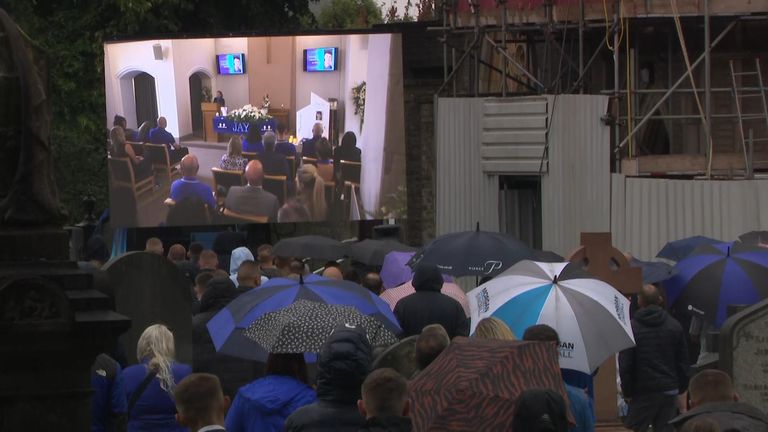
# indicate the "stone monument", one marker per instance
pixel 744 353
pixel 53 322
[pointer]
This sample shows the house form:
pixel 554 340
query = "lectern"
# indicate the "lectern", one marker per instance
pixel 210 110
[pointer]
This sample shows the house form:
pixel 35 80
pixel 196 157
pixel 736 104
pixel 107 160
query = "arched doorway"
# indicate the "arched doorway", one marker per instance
pixel 145 98
pixel 197 82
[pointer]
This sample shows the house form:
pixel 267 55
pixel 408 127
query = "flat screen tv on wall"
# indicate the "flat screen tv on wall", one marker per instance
pixel 231 64
pixel 321 59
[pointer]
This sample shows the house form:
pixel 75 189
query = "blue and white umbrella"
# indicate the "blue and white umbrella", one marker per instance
pixel 591 317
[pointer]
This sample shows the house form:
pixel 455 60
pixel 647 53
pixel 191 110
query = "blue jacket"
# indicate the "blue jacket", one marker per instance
pixel 108 402
pixel 249 147
pixel 154 410
pixel 580 409
pixel 264 404
pixel 161 136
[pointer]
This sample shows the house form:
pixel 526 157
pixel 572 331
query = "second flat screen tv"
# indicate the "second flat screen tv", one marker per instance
pixel 321 59
pixel 231 64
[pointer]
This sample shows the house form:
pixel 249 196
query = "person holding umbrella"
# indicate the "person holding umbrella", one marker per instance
pixel 429 306
pixel 655 371
pixel 341 369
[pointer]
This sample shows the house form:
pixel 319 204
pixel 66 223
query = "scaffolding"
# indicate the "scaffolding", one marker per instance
pixel 556 35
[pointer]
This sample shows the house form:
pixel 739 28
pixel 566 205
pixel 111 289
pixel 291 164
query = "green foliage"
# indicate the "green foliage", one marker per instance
pixel 348 14
pixel 73 32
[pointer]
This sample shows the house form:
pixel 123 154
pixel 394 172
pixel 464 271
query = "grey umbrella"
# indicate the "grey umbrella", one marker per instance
pixel 304 325
pixel 310 246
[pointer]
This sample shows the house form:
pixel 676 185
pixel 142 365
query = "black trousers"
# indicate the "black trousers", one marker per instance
pixel 651 409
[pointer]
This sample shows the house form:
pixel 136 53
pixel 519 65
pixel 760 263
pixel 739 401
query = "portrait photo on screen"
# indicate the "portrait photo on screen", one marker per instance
pixel 236 130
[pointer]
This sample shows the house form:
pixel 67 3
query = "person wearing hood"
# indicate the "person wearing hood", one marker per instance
pixel 429 306
pixel 232 372
pixel 655 371
pixel 264 404
pixel 342 366
pixel 238 256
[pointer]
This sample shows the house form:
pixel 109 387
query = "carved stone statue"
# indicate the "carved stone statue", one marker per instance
pixel 28 192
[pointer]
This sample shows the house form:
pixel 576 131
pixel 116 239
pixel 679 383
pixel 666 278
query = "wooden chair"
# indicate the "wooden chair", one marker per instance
pixel 239 217
pixel 121 174
pixel 138 148
pixel 308 160
pixel 226 179
pixel 251 156
pixel 350 172
pixel 277 186
pixel 330 192
pixel 161 162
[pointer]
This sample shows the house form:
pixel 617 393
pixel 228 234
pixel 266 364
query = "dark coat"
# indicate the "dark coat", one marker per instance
pixel 736 415
pixel 342 366
pixel 232 372
pixel 347 153
pixel 387 424
pixel 429 306
pixel 659 361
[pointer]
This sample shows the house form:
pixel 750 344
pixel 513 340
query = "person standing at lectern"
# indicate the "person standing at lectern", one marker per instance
pixel 309 146
pixel 159 135
pixel 219 99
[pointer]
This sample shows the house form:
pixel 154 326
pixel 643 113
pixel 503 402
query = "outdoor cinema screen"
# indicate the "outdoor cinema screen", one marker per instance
pixel 321 59
pixel 198 124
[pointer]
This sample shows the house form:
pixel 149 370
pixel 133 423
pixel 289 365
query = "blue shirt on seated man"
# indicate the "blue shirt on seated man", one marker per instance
pixel 190 186
pixel 159 135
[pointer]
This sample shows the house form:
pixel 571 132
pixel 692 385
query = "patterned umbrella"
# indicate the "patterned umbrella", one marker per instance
pixel 471 386
pixel 591 317
pixel 714 276
pixel 227 327
pixel 304 326
pixel 394 295
pixel 472 253
pixel 679 249
pixel 372 252
pixel 310 246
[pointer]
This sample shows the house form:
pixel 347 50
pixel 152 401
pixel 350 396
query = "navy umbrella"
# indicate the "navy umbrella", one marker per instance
pixel 472 253
pixel 310 246
pixel 679 249
pixel 715 276
pixel 304 325
pixel 653 271
pixel 228 326
pixel 754 238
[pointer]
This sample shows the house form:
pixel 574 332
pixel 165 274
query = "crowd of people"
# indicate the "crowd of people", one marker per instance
pixel 307 170
pixel 343 392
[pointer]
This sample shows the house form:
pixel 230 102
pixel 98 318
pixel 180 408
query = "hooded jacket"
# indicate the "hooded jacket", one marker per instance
pixel 232 372
pixel 238 256
pixel 737 415
pixel 659 361
pixel 342 366
pixel 264 404
pixel 429 306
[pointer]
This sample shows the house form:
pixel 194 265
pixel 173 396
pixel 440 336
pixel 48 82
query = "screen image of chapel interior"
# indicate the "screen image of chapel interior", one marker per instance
pixel 255 129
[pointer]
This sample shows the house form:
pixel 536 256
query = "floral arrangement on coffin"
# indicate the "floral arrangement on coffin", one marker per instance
pixel 250 113
pixel 358 99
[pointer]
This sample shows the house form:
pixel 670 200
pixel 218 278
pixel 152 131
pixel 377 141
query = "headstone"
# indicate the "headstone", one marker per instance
pixel 608 264
pixel 744 353
pixel 399 357
pixel 53 322
pixel 150 289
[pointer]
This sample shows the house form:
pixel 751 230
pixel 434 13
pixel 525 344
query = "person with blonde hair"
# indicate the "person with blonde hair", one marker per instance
pixel 493 328
pixel 149 385
pixel 233 159
pixel 312 192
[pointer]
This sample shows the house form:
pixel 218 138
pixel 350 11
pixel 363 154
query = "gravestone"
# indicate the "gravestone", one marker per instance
pixel 400 357
pixel 744 353
pixel 606 263
pixel 150 289
pixel 53 322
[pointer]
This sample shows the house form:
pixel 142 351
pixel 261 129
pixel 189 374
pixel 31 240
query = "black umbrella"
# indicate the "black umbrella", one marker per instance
pixel 472 253
pixel 310 246
pixel 372 252
pixel 546 256
pixel 304 325
pixel 754 238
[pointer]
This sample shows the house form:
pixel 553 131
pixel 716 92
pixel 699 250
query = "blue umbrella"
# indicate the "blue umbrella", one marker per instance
pixel 679 249
pixel 228 326
pixel 715 276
